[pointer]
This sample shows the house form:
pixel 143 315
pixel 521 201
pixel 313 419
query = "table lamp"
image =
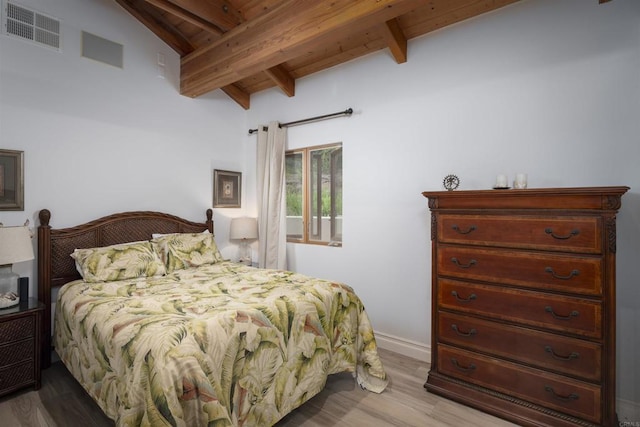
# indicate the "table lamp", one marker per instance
pixel 244 229
pixel 15 246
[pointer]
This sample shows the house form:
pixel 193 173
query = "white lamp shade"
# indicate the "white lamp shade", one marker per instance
pixel 244 228
pixel 15 245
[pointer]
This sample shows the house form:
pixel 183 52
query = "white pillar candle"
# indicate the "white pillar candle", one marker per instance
pixel 520 181
pixel 501 181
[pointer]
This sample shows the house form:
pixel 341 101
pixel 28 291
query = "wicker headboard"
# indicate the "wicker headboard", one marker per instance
pixel 56 267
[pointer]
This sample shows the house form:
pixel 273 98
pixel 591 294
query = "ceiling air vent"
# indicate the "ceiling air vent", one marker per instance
pixel 26 24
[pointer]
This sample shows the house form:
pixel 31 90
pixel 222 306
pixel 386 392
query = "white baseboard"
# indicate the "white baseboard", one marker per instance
pixel 628 413
pixel 403 346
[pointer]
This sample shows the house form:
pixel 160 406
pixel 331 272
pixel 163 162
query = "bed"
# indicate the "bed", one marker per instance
pixel 160 330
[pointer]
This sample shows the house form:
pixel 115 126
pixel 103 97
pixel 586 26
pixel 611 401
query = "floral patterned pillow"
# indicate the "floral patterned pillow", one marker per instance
pixel 185 250
pixel 118 262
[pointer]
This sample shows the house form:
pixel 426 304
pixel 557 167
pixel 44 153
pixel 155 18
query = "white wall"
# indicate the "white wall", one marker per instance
pixel 546 87
pixel 99 139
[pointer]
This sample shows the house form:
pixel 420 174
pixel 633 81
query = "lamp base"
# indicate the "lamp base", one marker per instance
pixel 8 287
pixel 244 253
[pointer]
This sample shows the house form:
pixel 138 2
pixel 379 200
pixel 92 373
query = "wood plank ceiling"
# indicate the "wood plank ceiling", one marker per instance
pixel 246 46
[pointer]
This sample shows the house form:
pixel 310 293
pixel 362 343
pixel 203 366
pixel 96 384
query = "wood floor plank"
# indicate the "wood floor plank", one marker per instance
pixel 62 402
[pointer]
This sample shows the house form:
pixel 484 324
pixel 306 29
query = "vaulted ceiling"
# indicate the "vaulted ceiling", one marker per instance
pixel 246 46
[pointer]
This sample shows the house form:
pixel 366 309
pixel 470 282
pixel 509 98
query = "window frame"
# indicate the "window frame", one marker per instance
pixel 306 196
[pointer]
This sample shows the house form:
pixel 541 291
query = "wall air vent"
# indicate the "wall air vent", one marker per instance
pixel 29 25
pixel 103 50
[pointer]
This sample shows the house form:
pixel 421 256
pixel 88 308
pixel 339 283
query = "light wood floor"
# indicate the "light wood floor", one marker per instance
pixel 62 402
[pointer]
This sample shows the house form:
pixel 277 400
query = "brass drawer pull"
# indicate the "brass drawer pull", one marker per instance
pixel 572 396
pixel 555 236
pixel 574 313
pixel 469 368
pixel 456 262
pixel 471 297
pixel 471 333
pixel 469 230
pixel 555 276
pixel 573 355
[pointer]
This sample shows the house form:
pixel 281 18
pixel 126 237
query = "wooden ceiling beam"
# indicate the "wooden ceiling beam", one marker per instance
pixel 396 40
pixel 241 97
pixel 287 31
pixel 186 15
pixel 215 17
pixel 160 28
pixel 221 13
pixel 283 79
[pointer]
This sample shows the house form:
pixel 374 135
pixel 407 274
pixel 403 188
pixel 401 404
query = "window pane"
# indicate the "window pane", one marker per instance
pixel 336 195
pixel 294 182
pixel 325 195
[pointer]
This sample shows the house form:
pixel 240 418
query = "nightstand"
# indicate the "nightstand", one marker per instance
pixel 20 331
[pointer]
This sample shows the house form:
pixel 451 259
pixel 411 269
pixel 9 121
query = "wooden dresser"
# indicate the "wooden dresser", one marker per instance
pixel 523 303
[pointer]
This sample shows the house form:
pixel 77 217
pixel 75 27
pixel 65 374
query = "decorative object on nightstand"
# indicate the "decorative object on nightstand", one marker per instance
pixel 244 229
pixel 15 246
pixel 451 182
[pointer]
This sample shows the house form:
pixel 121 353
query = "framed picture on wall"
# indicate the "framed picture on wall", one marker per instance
pixel 227 189
pixel 11 180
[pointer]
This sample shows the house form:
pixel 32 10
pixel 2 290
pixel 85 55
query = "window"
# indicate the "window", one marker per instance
pixel 314 195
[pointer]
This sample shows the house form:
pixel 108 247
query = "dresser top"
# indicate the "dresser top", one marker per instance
pixel 578 198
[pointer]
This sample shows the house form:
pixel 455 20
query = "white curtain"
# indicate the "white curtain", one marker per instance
pixel 272 229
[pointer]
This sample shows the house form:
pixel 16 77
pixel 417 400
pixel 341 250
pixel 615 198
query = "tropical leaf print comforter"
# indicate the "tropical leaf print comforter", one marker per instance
pixel 218 345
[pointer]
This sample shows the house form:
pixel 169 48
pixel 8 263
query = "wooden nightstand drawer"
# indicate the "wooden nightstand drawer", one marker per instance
pixel 16 329
pixel 564 314
pixel 543 388
pixel 16 352
pixel 16 376
pixel 535 270
pixel 569 234
pixel 545 350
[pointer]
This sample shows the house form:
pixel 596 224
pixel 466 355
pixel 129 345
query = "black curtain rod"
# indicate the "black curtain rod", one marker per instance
pixel 346 112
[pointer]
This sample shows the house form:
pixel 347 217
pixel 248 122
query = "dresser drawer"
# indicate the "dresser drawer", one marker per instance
pixel 570 234
pixel 564 273
pixel 546 389
pixel 564 314
pixel 16 352
pixel 561 354
pixel 17 329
